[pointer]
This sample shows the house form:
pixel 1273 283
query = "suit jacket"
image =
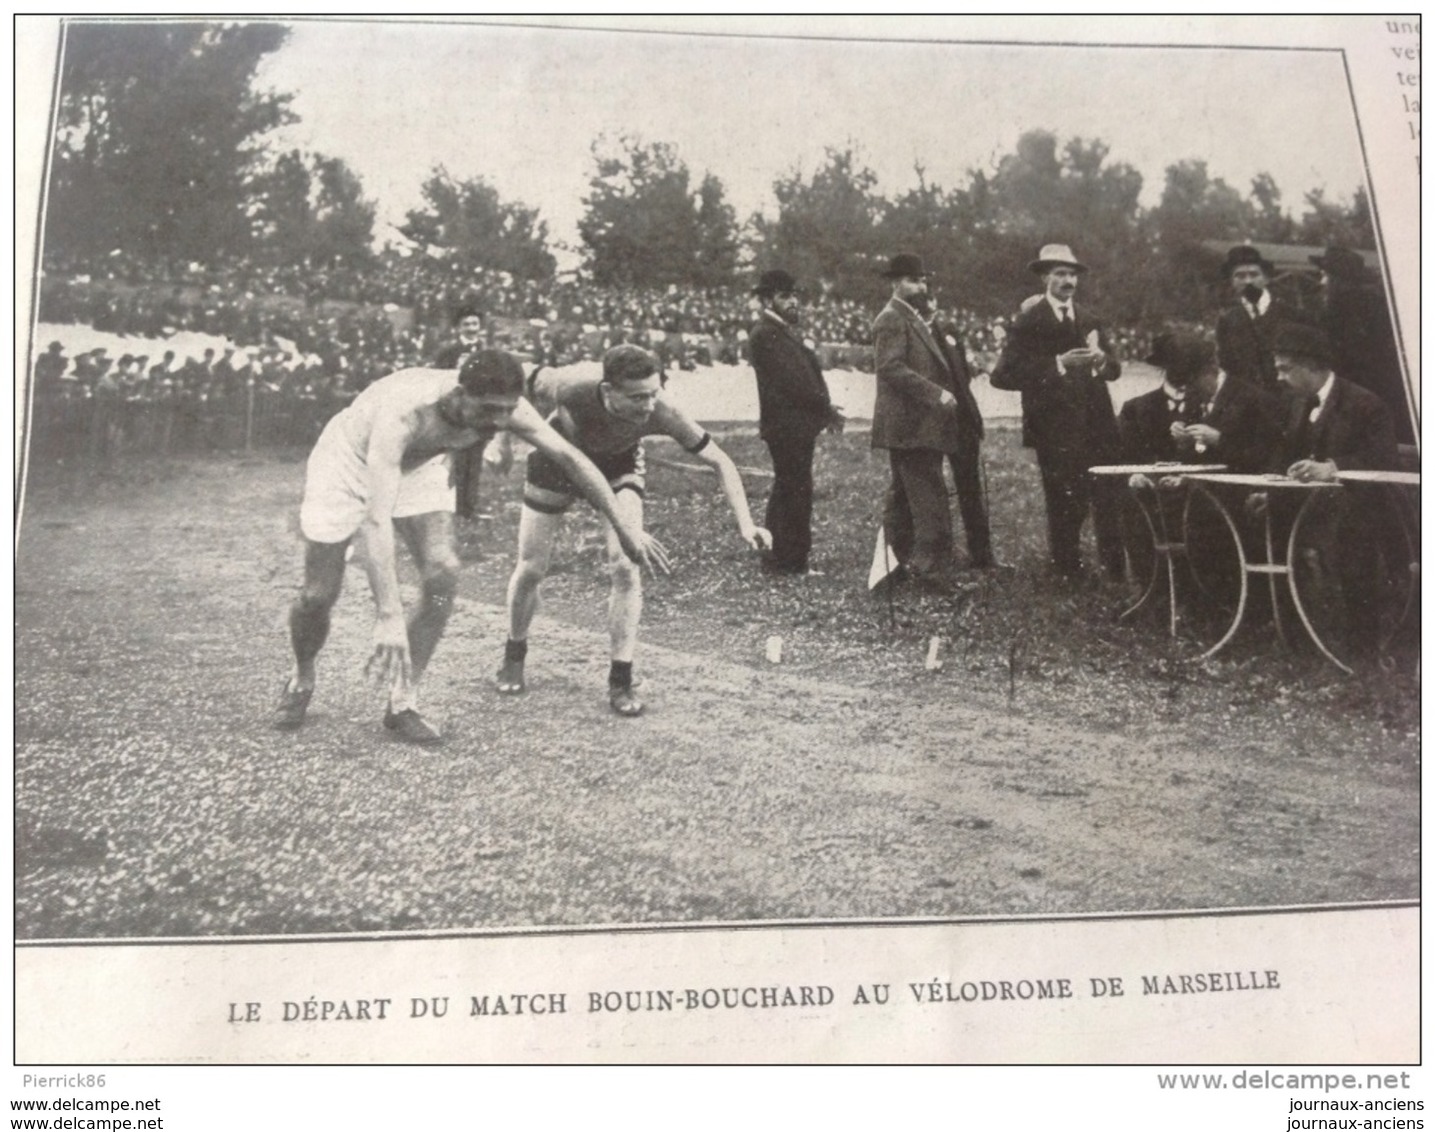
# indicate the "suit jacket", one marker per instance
pixel 1248 420
pixel 954 352
pixel 1066 417
pixel 1145 425
pixel 792 395
pixel 1354 429
pixel 451 353
pixel 1243 343
pixel 912 372
pixel 1357 322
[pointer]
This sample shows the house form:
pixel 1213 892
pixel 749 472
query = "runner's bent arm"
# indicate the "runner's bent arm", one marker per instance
pixel 638 545
pixel 669 420
pixel 755 536
pixel 384 461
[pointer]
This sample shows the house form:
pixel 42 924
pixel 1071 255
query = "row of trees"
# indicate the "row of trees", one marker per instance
pixel 162 151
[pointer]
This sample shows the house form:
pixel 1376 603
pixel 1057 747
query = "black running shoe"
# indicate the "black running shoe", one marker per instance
pixel 411 727
pixel 625 701
pixel 289 714
pixel 510 678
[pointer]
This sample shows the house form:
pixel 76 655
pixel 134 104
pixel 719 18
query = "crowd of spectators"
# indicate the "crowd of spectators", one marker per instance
pixel 304 342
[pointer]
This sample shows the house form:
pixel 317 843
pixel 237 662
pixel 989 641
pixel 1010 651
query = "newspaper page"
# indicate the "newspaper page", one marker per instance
pixel 854 824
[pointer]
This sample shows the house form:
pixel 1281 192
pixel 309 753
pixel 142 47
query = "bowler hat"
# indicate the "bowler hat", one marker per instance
pixel 627 362
pixel 1243 255
pixel 467 310
pixel 1297 340
pixel 1054 255
pixel 1341 263
pixel 1182 354
pixel 905 265
pixel 775 282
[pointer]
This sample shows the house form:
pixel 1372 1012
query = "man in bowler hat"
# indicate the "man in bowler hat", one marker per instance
pixel 467 463
pixel 1362 339
pixel 915 420
pixel 1245 328
pixel 1057 354
pixel 794 406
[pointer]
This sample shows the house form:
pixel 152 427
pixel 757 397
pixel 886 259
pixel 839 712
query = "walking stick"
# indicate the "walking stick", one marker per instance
pixel 891 603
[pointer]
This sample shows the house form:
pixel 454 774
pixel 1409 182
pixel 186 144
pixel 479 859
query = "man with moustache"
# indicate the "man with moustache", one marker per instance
pixel 794 407
pixel 915 420
pixel 1244 330
pixel 1058 356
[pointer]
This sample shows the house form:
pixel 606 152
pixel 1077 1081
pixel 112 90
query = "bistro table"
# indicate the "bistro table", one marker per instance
pixel 1274 565
pixel 1164 541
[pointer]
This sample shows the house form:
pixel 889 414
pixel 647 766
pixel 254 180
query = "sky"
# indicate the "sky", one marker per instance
pixel 522 106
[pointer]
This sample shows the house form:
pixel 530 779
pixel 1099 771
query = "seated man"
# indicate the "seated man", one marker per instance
pixel 1152 426
pixel 606 419
pixel 381 464
pixel 1333 425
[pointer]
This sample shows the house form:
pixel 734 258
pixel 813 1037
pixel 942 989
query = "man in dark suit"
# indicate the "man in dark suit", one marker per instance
pixel 1153 424
pixel 1234 424
pixel 1333 425
pixel 1362 338
pixel 966 460
pixel 466 464
pixel 1244 330
pixel 915 420
pixel 794 406
pixel 1059 357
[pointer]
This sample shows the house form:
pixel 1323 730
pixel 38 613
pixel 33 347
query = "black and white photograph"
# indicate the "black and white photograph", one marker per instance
pixel 537 482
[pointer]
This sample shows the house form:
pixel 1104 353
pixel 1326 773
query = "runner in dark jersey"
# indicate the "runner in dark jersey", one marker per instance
pixel 381 466
pixel 606 420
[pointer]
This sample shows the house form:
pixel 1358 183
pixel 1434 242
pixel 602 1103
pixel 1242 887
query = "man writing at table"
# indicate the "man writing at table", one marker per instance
pixel 1334 426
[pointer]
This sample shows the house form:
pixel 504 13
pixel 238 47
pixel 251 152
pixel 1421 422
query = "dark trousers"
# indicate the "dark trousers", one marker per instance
pixel 917 518
pixel 966 466
pixel 1071 492
pixel 789 507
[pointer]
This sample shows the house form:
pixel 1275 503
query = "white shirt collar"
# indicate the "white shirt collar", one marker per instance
pixel 1324 394
pixel 1057 306
pixel 1261 305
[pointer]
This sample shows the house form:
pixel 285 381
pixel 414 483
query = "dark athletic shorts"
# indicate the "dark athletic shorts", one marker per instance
pixel 549 490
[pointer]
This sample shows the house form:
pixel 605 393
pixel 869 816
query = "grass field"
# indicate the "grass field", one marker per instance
pixel 1061 760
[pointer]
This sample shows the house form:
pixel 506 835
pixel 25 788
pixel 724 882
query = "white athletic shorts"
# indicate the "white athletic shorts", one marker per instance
pixel 336 490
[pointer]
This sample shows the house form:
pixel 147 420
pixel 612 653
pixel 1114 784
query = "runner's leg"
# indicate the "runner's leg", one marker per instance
pixel 625 597
pixel 430 540
pixel 309 615
pixel 537 531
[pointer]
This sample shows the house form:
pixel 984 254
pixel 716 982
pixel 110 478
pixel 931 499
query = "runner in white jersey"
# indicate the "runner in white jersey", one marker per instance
pixel 382 464
pixel 606 420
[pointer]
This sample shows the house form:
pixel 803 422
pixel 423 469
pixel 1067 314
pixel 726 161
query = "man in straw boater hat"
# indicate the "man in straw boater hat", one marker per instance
pixel 1057 355
pixel 794 407
pixel 915 418
pixel 606 418
pixel 1245 328
pixel 381 466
